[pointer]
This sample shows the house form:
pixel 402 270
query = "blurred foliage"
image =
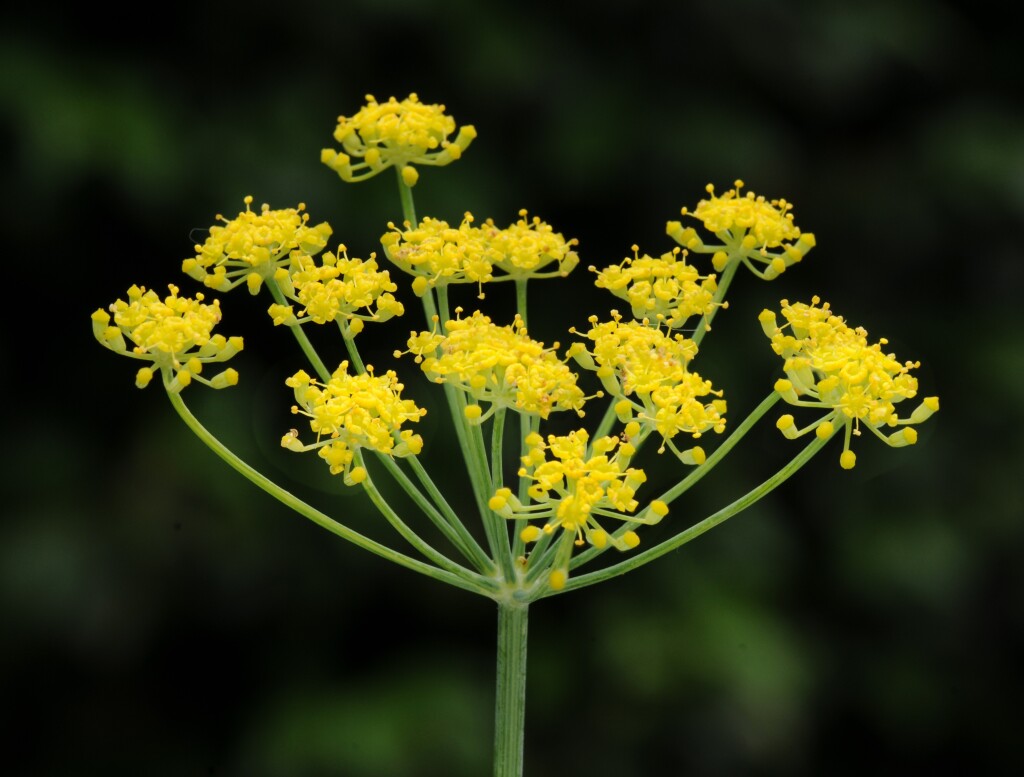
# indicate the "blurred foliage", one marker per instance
pixel 162 616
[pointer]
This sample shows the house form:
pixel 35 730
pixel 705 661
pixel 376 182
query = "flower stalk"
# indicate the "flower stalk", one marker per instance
pixel 510 693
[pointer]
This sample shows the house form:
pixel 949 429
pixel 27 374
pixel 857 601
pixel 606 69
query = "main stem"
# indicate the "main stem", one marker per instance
pixel 510 699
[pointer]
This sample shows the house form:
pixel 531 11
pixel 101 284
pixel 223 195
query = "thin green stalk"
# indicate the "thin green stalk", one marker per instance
pixel 405 194
pixel 480 585
pixel 353 352
pixel 456 407
pixel 448 525
pixel 607 420
pixel 704 325
pixel 494 525
pixel 696 474
pixel 722 450
pixel 443 311
pixel 697 529
pixel 479 559
pixel 510 697
pixel 527 425
pixel 476 457
pixel 472 453
pixel 475 453
pixel 408 534
pixel 521 300
pixel 300 335
pixel 497 440
pixel 472 547
pixel 542 556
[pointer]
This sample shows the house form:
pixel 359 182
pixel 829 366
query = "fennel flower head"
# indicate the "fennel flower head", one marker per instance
pixel 174 333
pixel 500 365
pixel 664 289
pixel 251 247
pixel 437 254
pixel 830 365
pixel 348 290
pixel 395 134
pixel 573 483
pixel 753 230
pixel 647 370
pixel 351 412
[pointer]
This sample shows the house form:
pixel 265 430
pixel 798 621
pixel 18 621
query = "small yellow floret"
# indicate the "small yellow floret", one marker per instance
pixel 848 460
pixel 557 579
pixel 530 534
pixel 410 175
pixel 631 539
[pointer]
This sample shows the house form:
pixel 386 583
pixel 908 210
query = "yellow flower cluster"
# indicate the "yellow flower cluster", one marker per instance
pixel 251 247
pixel 500 365
pixel 174 333
pixel 831 365
pixel 350 412
pixel 395 134
pixel 343 289
pixel 572 484
pixel 647 369
pixel 523 249
pixel 748 226
pixel 438 254
pixel 666 290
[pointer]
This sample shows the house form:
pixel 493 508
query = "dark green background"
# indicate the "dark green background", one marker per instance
pixel 161 616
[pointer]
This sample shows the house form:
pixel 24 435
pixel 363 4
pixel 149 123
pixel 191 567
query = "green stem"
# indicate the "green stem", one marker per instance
pixel 527 425
pixel 475 454
pixel 469 544
pixel 704 325
pixel 607 420
pixel 442 304
pixel 722 450
pixel 430 311
pixel 288 499
pixel 405 194
pixel 494 525
pixel 449 525
pixel 300 335
pixel 497 454
pixel 521 300
pixel 353 352
pixel 456 407
pixel 695 475
pixel 408 534
pixel 510 697
pixel 697 529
